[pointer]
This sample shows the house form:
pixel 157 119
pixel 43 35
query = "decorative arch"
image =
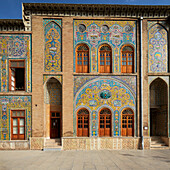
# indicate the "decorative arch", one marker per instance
pixel 158 107
pixel 105 58
pixel 82 58
pixel 127 59
pixel 83 122
pixel 158 49
pixel 52 34
pixel 127 122
pixel 53 108
pixel 120 96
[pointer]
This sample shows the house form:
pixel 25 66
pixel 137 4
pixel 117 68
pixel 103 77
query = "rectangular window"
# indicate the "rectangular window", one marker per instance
pixel 17 75
pixel 18 125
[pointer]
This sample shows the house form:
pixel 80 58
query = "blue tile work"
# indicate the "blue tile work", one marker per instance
pixel 52 35
pixel 14 46
pixel 158 48
pixel 119 34
pixel 88 95
pixel 8 103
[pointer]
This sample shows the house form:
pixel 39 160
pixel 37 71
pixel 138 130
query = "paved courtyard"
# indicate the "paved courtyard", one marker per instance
pixel 77 160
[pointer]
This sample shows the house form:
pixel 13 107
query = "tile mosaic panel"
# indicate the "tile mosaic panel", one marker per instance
pixel 52 35
pixel 158 48
pixel 8 103
pixel 16 46
pixel 118 34
pixel 88 95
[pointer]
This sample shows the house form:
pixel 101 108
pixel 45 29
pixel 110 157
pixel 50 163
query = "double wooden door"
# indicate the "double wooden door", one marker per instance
pixel 127 123
pixel 55 125
pixel 105 123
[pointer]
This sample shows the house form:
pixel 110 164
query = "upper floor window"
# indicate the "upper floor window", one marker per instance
pixel 105 59
pixel 127 59
pixel 18 125
pixel 83 123
pixel 82 59
pixel 17 75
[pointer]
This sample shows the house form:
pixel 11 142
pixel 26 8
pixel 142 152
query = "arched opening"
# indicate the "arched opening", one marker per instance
pixel 82 58
pixel 53 108
pixel 158 108
pixel 105 118
pixel 83 123
pixel 105 59
pixel 127 126
pixel 127 59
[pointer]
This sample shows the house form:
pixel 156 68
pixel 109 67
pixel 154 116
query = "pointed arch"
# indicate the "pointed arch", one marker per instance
pixel 158 107
pixel 157 48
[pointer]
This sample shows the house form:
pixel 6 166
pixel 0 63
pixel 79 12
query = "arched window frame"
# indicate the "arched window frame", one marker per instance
pixel 105 131
pixel 82 66
pixel 105 65
pixel 127 125
pixel 82 129
pixel 127 65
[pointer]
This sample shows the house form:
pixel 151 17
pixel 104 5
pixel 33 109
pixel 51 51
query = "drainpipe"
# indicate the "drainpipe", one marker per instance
pixel 141 67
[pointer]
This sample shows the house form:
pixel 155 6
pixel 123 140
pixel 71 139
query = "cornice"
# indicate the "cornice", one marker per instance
pixel 92 10
pixel 12 25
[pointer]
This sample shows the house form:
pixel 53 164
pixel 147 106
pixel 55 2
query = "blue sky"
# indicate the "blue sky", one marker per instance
pixel 12 9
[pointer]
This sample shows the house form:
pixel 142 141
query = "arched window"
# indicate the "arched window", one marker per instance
pixel 105 59
pixel 82 59
pixel 127 59
pixel 127 123
pixel 105 122
pixel 83 122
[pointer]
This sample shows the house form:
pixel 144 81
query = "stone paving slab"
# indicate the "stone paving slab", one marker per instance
pixel 85 160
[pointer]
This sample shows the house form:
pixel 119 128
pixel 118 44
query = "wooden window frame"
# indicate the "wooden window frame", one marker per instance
pixel 10 72
pixel 83 115
pixel 105 123
pixel 83 67
pixel 105 60
pixel 127 65
pixel 18 136
pixel 127 115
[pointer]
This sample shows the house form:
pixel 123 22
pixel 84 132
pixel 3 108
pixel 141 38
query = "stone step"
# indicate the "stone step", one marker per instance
pixel 162 147
pixel 53 140
pixel 52 144
pixel 52 148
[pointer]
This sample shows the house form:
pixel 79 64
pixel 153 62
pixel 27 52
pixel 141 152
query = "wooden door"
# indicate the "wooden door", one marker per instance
pixel 55 125
pixel 83 123
pixel 127 123
pixel 105 123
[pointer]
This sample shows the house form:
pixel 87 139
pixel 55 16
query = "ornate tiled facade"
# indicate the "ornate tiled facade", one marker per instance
pixel 8 103
pixel 16 46
pixel 55 91
pixel 158 48
pixel 118 34
pixel 89 96
pixel 52 35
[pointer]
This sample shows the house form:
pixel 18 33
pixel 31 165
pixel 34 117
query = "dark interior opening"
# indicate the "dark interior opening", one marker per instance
pixel 19 76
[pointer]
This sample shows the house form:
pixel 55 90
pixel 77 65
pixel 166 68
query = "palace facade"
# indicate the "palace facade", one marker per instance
pixel 85 77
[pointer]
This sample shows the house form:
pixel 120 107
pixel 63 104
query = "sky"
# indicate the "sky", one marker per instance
pixel 12 9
